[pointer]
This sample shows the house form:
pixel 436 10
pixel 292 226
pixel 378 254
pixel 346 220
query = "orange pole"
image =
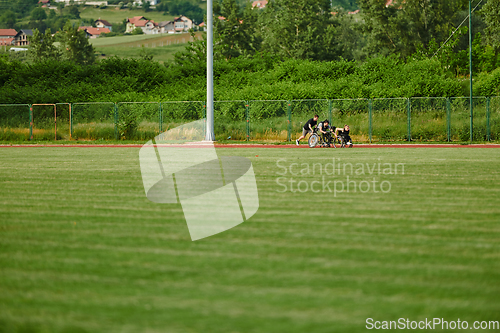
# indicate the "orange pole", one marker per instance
pixel 31 122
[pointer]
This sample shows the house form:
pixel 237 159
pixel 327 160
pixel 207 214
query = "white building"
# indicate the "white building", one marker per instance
pixel 84 2
pixel 151 2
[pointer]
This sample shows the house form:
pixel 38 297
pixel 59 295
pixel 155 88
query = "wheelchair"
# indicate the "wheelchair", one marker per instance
pixel 317 140
pixel 344 141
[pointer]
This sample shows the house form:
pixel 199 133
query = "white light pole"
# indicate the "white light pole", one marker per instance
pixel 210 74
pixel 471 96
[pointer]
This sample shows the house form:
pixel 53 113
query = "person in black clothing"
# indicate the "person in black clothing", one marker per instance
pixel 326 131
pixel 308 128
pixel 344 135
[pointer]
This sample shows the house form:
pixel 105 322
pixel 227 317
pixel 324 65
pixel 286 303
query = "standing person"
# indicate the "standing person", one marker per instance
pixel 308 128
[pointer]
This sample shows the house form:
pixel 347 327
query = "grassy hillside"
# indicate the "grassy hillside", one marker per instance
pixel 115 15
pixel 162 47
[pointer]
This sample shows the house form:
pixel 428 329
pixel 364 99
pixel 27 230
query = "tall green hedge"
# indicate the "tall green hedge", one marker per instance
pixel 261 77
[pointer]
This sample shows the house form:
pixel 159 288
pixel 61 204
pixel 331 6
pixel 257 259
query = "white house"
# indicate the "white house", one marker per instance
pixel 103 24
pixel 166 27
pixel 179 24
pixel 149 27
pixel 182 23
pixel 151 2
pixel 84 2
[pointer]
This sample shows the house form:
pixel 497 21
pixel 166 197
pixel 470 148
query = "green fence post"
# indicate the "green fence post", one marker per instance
pixel 247 118
pixel 31 122
pixel 488 118
pixel 330 111
pixel 289 112
pixel 160 116
pixel 448 118
pixel 116 121
pixel 370 106
pixel 408 111
pixel 71 121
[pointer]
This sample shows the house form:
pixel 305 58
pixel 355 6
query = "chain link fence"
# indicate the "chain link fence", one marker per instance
pixel 429 119
pixel 237 127
pixel 138 120
pixel 356 114
pixel 178 113
pixel 63 115
pixel 93 121
pixel 44 122
pixel 268 120
pixel 371 120
pixel 390 119
pixel 15 122
pixel 303 110
pixel 493 119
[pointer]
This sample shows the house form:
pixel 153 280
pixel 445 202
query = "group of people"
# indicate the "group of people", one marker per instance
pixel 323 128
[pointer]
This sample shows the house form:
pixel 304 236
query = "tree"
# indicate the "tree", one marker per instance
pixel 38 14
pixel 76 46
pixel 146 54
pixel 349 37
pixel 194 52
pixel 188 9
pixel 230 37
pixel 402 26
pixel 23 7
pixel 60 7
pixel 162 7
pixel 8 19
pixel 52 14
pixel 74 12
pixel 137 31
pixel 42 46
pixel 300 29
pixel 491 14
pixel 146 5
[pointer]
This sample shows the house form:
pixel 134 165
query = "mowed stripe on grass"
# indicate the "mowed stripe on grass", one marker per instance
pixel 82 246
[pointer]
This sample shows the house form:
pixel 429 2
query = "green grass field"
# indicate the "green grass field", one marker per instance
pixel 83 250
pixel 162 46
pixel 115 15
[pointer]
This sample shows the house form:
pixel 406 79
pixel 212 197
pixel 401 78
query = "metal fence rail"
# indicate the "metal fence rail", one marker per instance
pixel 371 120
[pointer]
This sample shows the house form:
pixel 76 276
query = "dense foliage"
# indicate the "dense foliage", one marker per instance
pixel 260 77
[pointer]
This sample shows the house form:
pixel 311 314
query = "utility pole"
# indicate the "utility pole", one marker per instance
pixel 209 136
pixel 470 74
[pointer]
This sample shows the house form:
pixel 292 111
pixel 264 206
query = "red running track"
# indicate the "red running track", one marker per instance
pixel 260 146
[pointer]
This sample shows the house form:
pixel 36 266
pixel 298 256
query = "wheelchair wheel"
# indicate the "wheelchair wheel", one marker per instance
pixel 313 140
pixel 341 143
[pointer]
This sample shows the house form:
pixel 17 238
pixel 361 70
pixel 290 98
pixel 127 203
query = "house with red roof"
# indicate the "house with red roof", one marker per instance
pixel 7 36
pixel 148 26
pixel 179 24
pixel 94 32
pixel 259 4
